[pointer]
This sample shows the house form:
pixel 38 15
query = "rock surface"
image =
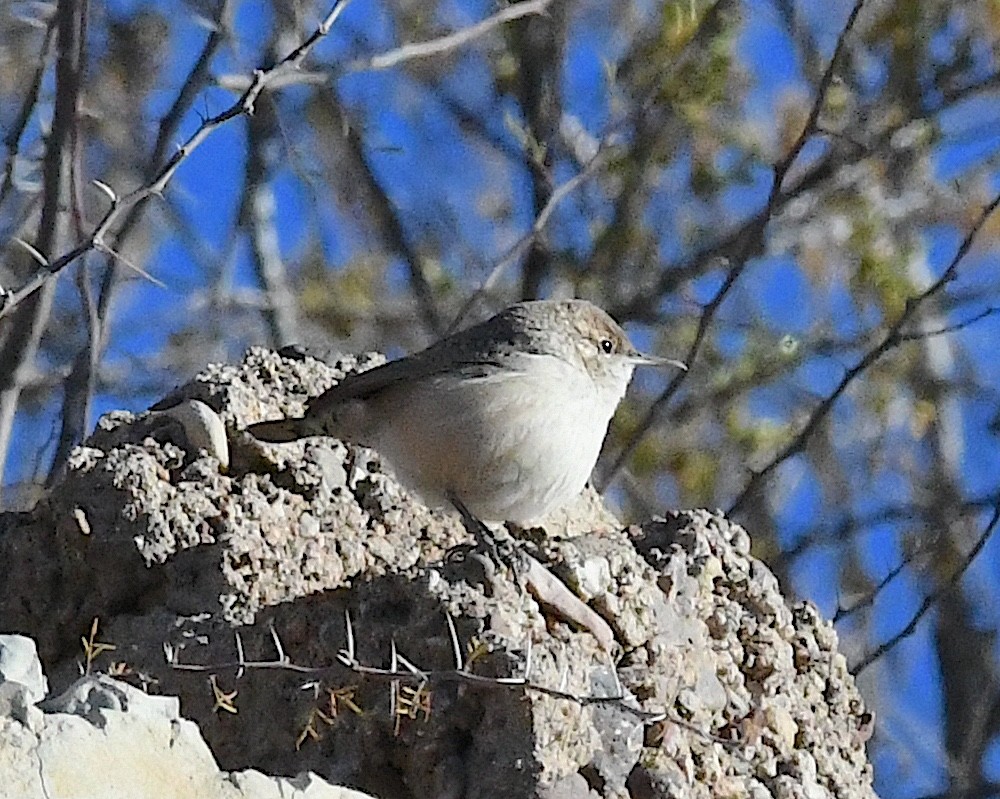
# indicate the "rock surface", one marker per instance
pixel 718 687
pixel 104 738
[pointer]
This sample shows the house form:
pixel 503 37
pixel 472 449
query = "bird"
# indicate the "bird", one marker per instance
pixel 504 420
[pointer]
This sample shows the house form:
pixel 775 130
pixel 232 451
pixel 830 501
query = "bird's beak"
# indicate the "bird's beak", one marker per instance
pixel 641 359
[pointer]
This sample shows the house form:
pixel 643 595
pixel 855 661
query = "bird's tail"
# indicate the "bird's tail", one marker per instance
pixel 280 431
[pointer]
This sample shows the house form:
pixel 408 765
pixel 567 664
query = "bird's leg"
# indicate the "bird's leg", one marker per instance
pixel 529 573
pixel 500 554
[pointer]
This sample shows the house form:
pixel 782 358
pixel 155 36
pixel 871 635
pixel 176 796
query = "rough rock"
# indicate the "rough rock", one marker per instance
pixel 104 738
pixel 259 574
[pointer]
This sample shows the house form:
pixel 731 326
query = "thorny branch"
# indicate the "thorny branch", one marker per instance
pixel 120 205
pixel 413 675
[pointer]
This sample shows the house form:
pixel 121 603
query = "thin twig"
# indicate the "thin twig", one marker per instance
pixel 931 599
pixel 892 338
pixel 747 241
pixel 193 83
pixel 21 338
pixel 952 328
pixel 606 149
pixel 410 674
pixel 869 599
pixel 523 244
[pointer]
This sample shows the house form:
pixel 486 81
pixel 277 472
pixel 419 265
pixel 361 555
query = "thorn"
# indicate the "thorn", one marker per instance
pixel 100 246
pixel 104 187
pixel 413 669
pixel 239 654
pixel 41 259
pixel 350 633
pixel 456 648
pixel 282 657
pixel 314 685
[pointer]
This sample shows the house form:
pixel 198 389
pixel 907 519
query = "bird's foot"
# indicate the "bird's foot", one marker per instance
pixel 502 553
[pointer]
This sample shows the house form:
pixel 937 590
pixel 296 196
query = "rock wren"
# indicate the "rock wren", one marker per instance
pixel 507 416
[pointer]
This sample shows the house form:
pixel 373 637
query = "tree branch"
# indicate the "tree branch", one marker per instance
pixel 747 241
pixel 450 42
pixel 120 205
pixel 893 337
pixel 20 337
pixel 931 599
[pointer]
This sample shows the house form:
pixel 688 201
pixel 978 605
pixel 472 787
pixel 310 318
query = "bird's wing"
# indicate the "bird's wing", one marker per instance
pixel 322 410
pixel 360 385
pixel 437 358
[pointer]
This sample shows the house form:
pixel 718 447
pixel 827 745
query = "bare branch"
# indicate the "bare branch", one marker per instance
pixel 523 244
pixel 21 337
pixel 412 674
pixel 193 83
pixel 869 599
pixel 244 105
pixel 13 138
pixel 258 208
pixel 931 599
pixel 892 338
pixel 607 148
pixel 952 328
pixel 453 41
pixel 746 242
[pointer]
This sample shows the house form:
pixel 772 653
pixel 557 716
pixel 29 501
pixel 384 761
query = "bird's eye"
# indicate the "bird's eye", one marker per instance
pixel 607 346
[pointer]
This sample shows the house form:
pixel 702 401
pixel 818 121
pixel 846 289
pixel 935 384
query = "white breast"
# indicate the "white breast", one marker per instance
pixel 512 445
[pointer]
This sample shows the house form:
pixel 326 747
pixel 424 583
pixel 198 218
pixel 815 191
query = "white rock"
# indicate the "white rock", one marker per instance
pixel 19 663
pixel 105 739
